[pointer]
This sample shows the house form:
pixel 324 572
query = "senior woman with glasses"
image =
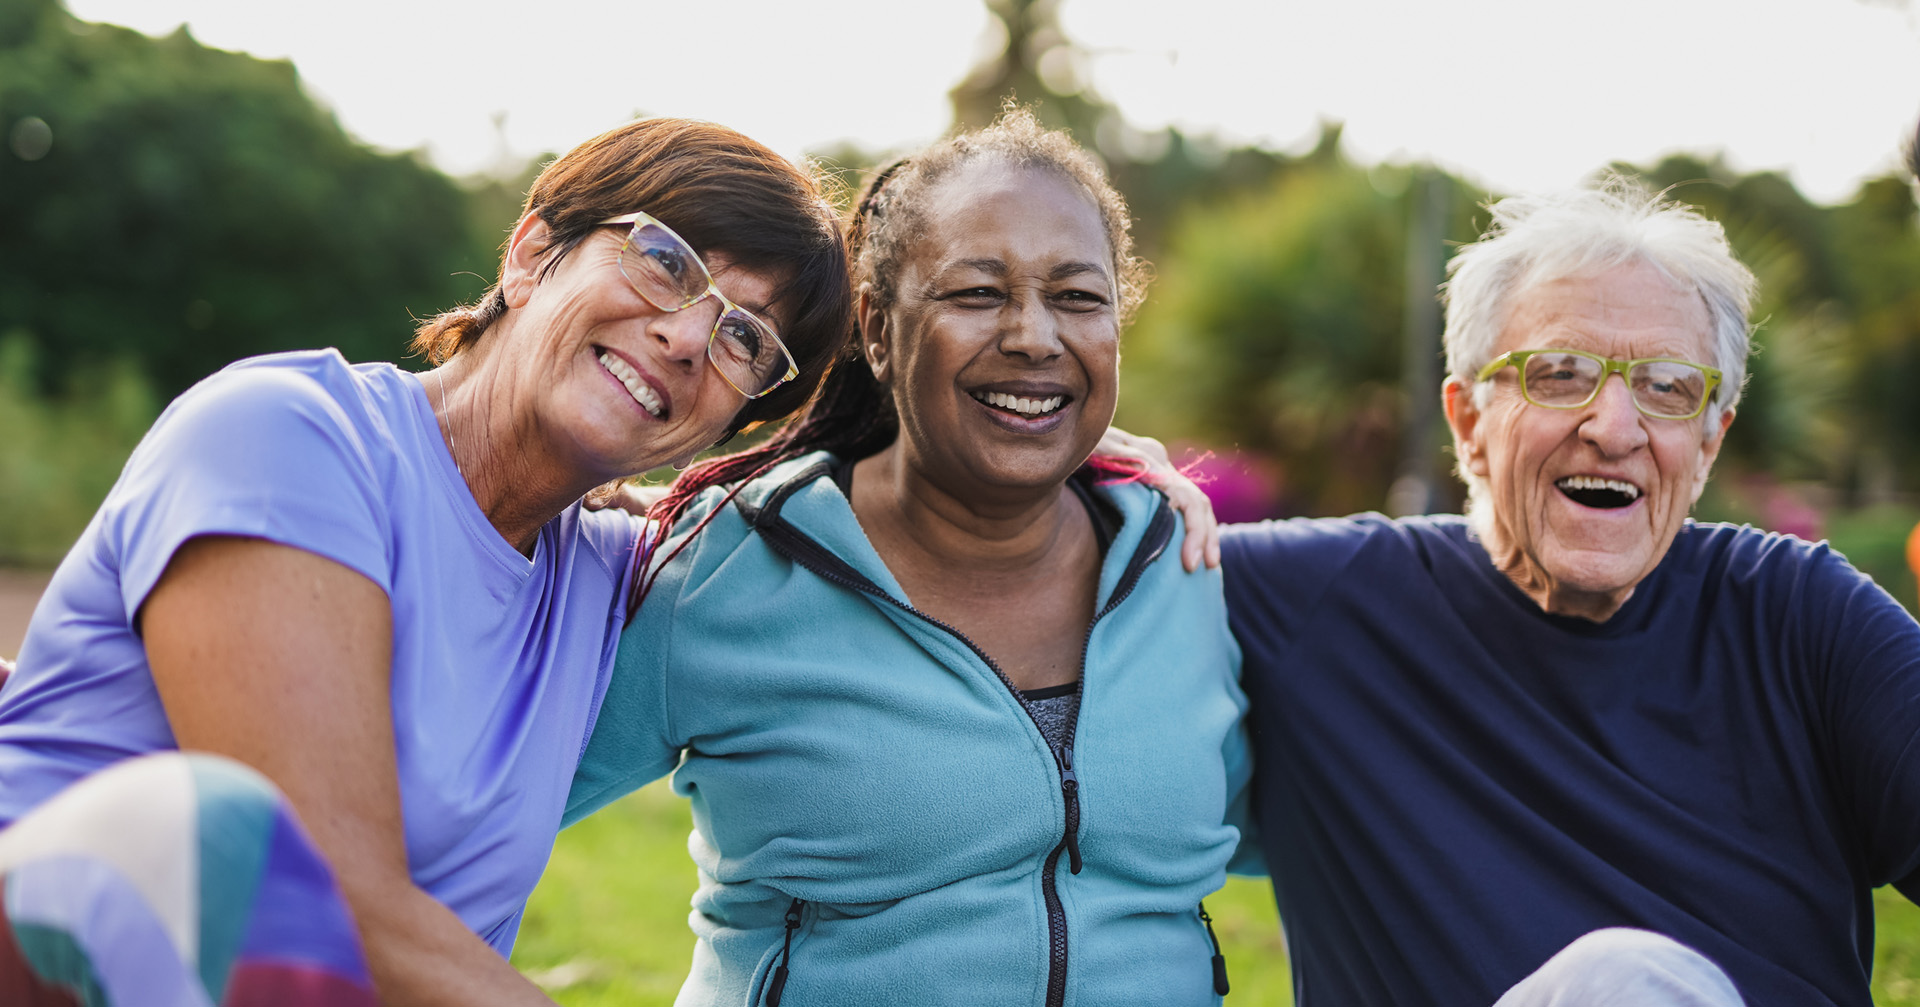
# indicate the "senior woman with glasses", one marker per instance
pixel 379 590
pixel 956 727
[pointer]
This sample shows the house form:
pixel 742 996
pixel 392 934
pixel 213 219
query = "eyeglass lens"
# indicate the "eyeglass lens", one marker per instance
pixel 671 277
pixel 1663 388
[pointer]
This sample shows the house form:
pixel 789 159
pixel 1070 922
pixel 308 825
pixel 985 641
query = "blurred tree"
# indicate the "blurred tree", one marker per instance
pixel 1876 244
pixel 1034 62
pixel 1276 329
pixel 182 206
pixel 1038 65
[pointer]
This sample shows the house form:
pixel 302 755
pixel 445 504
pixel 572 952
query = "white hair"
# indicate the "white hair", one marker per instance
pixel 1611 223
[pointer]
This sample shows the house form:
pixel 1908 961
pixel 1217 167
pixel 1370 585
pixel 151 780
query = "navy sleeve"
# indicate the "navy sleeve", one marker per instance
pixel 1276 571
pixel 1866 649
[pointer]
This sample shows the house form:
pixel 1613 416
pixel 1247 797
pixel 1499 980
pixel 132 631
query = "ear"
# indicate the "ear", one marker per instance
pixel 521 270
pixel 876 339
pixel 1714 436
pixel 1464 417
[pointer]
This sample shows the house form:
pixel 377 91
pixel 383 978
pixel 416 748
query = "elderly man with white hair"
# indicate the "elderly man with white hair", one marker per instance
pixel 1575 748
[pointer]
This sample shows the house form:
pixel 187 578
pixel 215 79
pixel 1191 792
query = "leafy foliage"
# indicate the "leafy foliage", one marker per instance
pixel 195 206
pixel 61 452
pixel 1276 325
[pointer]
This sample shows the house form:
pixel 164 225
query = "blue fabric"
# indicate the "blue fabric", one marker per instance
pixel 1453 784
pixel 840 749
pixel 498 660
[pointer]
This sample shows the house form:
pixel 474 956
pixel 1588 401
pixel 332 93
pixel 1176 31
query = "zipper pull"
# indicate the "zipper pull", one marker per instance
pixel 1070 789
pixel 1219 960
pixel 778 985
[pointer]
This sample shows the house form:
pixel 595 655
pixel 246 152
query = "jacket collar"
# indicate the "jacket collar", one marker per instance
pixel 799 510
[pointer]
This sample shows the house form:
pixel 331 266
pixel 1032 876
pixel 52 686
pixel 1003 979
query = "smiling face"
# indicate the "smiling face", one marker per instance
pixel 617 386
pixel 1002 349
pixel 1583 503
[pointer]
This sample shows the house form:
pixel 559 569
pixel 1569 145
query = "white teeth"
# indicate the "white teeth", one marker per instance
pixel 636 386
pixel 1025 407
pixel 1596 483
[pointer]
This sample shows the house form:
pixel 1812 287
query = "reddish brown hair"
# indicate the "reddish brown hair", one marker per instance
pixel 721 191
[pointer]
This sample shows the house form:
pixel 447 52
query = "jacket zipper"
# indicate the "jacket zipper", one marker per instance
pixel 1152 544
pixel 777 984
pixel 1220 984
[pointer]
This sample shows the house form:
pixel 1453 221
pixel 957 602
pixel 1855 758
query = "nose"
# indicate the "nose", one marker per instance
pixel 1028 329
pixel 1613 424
pixel 684 334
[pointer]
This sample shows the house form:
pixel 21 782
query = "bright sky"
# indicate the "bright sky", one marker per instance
pixel 1518 94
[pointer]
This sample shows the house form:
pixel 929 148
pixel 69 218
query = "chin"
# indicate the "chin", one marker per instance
pixel 1034 465
pixel 1033 476
pixel 1597 572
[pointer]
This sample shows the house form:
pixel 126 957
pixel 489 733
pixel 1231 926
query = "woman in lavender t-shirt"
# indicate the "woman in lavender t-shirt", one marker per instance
pixel 379 590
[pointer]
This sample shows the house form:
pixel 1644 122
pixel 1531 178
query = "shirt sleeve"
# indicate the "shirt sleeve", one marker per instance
pixel 631 742
pixel 261 452
pixel 1868 648
pixel 1277 570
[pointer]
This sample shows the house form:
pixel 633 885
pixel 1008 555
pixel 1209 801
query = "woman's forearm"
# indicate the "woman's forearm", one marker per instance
pixel 279 658
pixel 421 955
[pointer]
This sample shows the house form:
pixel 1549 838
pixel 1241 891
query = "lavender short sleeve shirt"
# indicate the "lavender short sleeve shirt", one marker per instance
pixel 499 660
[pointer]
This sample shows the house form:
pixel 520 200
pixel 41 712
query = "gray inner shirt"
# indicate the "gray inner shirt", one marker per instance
pixel 1054 710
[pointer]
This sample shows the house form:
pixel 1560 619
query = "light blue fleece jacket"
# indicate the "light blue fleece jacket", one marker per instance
pixel 877 819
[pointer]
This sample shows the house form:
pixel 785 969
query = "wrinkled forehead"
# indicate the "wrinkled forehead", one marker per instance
pixel 1635 309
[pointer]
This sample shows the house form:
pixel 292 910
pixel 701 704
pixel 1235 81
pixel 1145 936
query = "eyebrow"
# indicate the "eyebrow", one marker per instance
pixel 764 312
pixel 1059 272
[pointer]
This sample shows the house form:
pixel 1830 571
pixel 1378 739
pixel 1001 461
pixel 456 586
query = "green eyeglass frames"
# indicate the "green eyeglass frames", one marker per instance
pixel 1664 388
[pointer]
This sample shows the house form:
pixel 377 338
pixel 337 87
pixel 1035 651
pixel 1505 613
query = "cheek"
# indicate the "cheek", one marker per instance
pixel 1099 354
pixel 1685 476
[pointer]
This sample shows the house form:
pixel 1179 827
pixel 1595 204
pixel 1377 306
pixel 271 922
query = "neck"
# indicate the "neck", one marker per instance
pixel 903 509
pixel 519 482
pixel 1533 580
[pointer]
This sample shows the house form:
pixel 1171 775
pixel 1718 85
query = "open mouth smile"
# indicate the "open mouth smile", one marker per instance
pixel 636 385
pixel 1025 408
pixel 1598 492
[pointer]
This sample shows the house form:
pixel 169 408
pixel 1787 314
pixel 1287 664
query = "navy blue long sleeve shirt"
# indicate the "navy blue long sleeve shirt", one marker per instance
pixel 1453 784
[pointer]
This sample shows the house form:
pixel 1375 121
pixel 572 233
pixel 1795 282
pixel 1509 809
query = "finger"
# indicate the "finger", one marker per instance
pixel 1152 448
pixel 1197 511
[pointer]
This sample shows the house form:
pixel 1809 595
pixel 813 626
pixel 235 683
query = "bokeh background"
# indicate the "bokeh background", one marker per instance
pixel 186 182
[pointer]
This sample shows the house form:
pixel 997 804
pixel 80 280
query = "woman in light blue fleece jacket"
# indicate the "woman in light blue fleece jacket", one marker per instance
pixel 956 727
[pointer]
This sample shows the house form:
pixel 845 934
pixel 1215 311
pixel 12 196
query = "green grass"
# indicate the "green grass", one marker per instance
pixel 1896 955
pixel 608 924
